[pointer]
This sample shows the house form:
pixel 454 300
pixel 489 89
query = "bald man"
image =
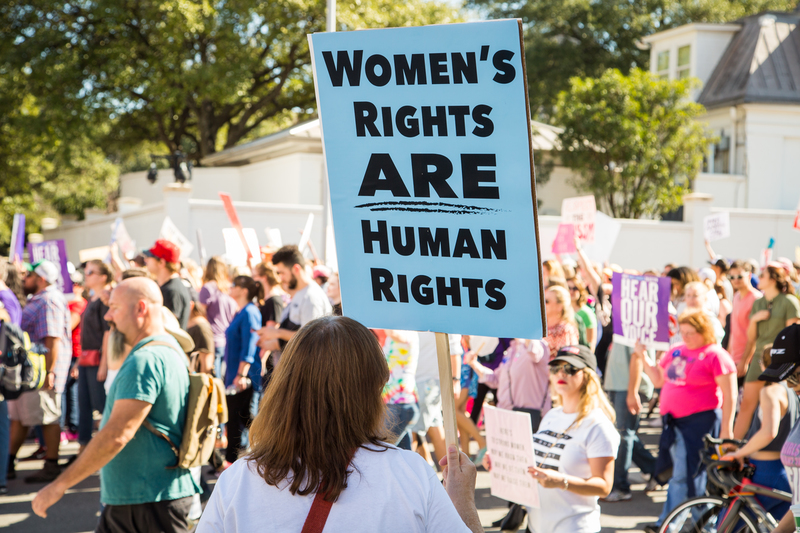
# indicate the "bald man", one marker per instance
pixel 140 493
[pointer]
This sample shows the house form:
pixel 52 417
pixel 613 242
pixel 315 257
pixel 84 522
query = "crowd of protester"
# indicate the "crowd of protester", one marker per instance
pixel 313 396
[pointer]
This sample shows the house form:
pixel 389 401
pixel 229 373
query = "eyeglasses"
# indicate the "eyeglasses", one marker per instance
pixel 574 289
pixel 90 273
pixel 547 302
pixel 568 369
pixel 735 277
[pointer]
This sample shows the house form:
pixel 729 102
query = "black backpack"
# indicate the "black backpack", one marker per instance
pixel 22 367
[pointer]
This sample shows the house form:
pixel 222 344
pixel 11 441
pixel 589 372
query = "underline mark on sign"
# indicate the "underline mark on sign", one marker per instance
pixel 430 207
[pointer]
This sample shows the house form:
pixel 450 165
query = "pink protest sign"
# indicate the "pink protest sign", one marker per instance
pixel 581 212
pixel 564 242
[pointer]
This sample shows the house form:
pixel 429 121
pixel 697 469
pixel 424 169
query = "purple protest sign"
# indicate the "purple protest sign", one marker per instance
pixel 17 238
pixel 641 310
pixel 56 253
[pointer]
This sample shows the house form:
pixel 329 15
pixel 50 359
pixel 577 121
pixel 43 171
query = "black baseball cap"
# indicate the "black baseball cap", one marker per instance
pixel 578 356
pixel 785 355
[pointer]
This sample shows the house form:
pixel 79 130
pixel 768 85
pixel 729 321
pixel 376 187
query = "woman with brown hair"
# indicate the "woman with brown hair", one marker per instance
pixel 220 307
pixel 561 328
pixel 319 442
pixel 698 396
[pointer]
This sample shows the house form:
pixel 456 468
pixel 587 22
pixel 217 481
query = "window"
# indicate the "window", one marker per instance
pixel 718 159
pixel 684 58
pixel 662 64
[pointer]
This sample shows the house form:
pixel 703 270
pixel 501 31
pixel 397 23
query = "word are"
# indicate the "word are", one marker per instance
pixel 407 124
pixel 426 291
pixel 434 243
pixel 417 69
pixel 431 171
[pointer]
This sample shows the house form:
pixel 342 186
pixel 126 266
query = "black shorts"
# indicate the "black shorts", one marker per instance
pixel 169 516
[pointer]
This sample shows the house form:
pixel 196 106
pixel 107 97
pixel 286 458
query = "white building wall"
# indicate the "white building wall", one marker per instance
pixel 773 156
pixel 294 178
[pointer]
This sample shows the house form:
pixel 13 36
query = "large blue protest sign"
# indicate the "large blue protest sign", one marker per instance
pixel 426 136
pixel 641 310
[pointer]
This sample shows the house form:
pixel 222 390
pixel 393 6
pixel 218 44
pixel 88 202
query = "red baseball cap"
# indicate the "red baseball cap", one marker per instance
pixel 166 250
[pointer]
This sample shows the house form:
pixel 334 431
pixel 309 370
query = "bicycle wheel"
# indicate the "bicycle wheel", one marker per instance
pixel 704 515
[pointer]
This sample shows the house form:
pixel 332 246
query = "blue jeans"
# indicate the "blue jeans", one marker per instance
pixel 678 490
pixel 401 417
pixel 5 437
pixel 631 449
pixel 772 474
pixel 219 361
pixel 91 397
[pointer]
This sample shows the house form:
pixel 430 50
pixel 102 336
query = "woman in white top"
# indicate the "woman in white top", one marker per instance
pixel 574 448
pixel 319 438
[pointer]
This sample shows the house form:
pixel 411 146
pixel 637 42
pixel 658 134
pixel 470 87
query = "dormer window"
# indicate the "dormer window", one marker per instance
pixel 684 59
pixel 662 65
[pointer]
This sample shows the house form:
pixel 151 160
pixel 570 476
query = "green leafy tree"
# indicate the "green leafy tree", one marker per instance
pixel 634 140
pixel 567 38
pixel 44 170
pixel 198 76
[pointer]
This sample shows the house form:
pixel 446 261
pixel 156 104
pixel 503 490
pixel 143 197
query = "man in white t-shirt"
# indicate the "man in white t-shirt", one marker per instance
pixel 430 421
pixel 309 301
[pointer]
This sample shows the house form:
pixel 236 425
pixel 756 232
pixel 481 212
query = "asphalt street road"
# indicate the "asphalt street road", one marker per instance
pixel 78 511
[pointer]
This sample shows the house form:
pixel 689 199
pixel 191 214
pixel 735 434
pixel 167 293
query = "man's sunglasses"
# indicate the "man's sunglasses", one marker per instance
pixel 568 369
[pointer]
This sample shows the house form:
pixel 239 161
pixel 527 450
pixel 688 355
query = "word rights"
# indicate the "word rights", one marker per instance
pixel 427 145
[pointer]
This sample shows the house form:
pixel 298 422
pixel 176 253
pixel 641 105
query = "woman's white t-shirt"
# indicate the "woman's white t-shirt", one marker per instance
pixel 569 453
pixel 388 491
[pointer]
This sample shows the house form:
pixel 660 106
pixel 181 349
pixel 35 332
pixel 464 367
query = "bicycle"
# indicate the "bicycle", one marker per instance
pixel 730 504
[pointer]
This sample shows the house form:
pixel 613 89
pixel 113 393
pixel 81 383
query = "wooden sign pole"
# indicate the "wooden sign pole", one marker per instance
pixel 446 388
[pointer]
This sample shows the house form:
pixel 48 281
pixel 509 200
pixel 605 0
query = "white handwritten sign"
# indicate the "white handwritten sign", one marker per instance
pixel 171 232
pixel 717 226
pixel 509 439
pixel 580 212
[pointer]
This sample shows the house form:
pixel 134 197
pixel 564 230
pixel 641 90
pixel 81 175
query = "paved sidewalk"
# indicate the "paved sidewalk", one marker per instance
pixel 77 512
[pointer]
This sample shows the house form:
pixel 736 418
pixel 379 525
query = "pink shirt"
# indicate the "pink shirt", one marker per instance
pixel 740 318
pixel 522 379
pixel 690 379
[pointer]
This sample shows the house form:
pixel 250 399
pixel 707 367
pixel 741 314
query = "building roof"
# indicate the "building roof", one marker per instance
pixel 760 65
pixel 648 40
pixel 306 137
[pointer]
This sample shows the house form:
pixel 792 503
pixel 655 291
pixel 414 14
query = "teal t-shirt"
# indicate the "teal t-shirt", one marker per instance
pixel 138 474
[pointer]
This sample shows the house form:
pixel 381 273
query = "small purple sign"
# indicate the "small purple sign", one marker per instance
pixel 17 238
pixel 641 310
pixel 55 252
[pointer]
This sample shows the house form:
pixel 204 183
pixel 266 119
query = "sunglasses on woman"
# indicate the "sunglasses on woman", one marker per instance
pixel 568 369
pixel 735 277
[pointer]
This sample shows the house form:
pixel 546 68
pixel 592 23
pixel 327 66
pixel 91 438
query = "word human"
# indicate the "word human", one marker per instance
pixel 443 290
pixel 417 69
pixel 435 243
pixel 639 309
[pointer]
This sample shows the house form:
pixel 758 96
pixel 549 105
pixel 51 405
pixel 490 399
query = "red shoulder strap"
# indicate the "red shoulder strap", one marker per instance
pixel 318 515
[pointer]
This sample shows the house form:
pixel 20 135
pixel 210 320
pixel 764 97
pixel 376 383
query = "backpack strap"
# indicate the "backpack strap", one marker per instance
pixel 318 515
pixel 147 425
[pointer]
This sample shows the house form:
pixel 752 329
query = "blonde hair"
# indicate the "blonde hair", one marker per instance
pixel 217 271
pixel 592 397
pixel 554 269
pixel 563 297
pixel 700 288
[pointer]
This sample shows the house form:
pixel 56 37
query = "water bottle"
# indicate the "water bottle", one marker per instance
pixel 231 390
